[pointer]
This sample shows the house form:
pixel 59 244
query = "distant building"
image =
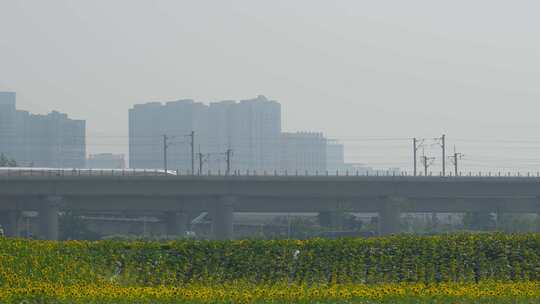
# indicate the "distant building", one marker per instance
pixel 7 123
pixel 145 136
pixel 51 140
pixel 335 156
pixel 148 123
pixel 106 161
pixel 220 134
pixel 255 134
pixel 303 151
pixel 250 129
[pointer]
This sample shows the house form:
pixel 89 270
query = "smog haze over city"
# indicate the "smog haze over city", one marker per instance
pixel 257 152
pixel 373 74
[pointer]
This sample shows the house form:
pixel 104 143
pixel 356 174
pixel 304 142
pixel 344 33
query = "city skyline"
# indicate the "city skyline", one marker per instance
pixel 353 71
pixel 370 147
pixel 225 136
pixel 178 133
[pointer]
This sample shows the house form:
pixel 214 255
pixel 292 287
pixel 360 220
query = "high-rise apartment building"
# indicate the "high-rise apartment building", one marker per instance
pixel 256 135
pixel 154 125
pixel 335 156
pixel 7 123
pixel 250 129
pixel 303 152
pixel 145 136
pixel 220 116
pixel 51 140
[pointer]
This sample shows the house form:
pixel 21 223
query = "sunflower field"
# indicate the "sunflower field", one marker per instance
pixel 461 268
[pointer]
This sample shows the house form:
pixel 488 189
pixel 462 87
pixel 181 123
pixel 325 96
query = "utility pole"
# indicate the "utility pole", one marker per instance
pixel 167 142
pixel 455 158
pixel 443 145
pixel 426 162
pixel 417 143
pixel 200 163
pixel 165 146
pixel 192 135
pixel 414 154
pixel 455 164
pixel 202 160
pixel 228 158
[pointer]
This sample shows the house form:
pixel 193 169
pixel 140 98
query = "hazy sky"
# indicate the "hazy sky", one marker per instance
pixel 352 69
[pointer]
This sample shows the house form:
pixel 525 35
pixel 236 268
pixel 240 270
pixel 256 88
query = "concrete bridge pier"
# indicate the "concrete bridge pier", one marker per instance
pixel 176 223
pixel 10 222
pixel 331 219
pixel 48 218
pixel 389 217
pixel 222 218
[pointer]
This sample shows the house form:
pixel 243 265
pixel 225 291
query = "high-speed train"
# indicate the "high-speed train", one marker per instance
pixel 33 171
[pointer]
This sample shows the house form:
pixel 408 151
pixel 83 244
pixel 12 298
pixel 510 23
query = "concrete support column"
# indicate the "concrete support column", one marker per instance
pixel 176 223
pixel 389 217
pixel 10 223
pixel 331 219
pixel 222 221
pixel 48 218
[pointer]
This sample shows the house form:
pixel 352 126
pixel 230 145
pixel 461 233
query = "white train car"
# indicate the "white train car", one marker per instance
pixel 32 171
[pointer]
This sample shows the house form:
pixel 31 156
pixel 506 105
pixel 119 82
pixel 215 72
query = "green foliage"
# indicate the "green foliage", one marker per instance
pixel 513 222
pixel 72 227
pixel 339 220
pixel 479 221
pixel 446 258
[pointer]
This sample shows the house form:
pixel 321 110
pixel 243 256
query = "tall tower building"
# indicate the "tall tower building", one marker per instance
pixel 7 123
pixel 145 136
pixel 180 118
pixel 335 156
pixel 220 117
pixel 250 128
pixel 149 122
pixel 303 151
pixel 255 134
pixel 51 140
